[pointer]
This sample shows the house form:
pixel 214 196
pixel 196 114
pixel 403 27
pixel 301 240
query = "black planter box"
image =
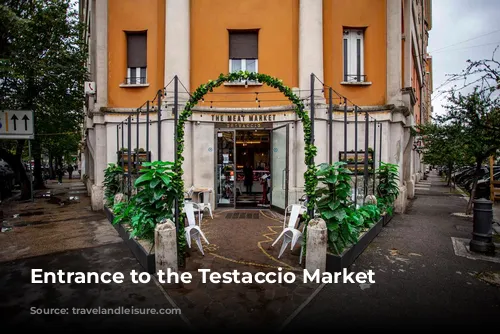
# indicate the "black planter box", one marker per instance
pixel 387 218
pixel 335 263
pixel 146 260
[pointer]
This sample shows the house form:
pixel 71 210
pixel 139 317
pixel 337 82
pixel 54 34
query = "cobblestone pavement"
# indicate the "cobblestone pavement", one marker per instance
pixel 241 244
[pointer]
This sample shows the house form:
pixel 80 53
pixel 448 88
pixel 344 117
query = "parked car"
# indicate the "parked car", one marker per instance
pixel 483 186
pixel 7 180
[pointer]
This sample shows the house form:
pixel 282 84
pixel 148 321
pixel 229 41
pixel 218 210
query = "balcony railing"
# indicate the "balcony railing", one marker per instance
pixel 135 81
pixel 355 78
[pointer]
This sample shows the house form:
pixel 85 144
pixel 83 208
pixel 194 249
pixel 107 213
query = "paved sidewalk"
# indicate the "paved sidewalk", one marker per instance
pixel 419 279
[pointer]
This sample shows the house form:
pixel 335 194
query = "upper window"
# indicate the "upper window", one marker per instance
pixel 353 55
pixel 136 58
pixel 243 51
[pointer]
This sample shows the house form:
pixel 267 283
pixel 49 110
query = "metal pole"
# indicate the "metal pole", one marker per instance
pixel 147 132
pixel 176 115
pixel 345 129
pixel 136 156
pixel 159 125
pixel 380 147
pixel 118 140
pixel 374 153
pixel 129 144
pixel 365 176
pixel 355 156
pixel 311 211
pixel 122 153
pixel 330 120
pixel 31 174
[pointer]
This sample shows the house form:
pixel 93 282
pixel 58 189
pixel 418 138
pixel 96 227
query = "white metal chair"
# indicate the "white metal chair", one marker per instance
pixel 291 235
pixel 188 195
pixel 193 231
pixel 206 203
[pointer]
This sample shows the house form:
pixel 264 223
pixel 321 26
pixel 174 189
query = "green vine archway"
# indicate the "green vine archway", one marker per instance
pixel 310 150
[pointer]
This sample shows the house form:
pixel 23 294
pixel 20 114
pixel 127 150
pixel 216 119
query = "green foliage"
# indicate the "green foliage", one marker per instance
pixel 388 186
pixel 310 150
pixel 42 68
pixel 153 202
pixel 334 204
pixel 113 177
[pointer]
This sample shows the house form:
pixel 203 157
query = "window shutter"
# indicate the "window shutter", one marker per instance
pixel 243 45
pixel 136 50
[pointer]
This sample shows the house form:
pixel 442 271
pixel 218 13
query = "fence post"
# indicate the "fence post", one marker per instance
pixel 365 167
pixel 147 132
pixel 316 245
pixel 166 247
pixel 159 124
pixel 374 153
pixel 355 156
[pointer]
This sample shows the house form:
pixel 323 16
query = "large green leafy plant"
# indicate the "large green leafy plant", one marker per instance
pixel 388 186
pixel 334 204
pixel 113 176
pixel 153 202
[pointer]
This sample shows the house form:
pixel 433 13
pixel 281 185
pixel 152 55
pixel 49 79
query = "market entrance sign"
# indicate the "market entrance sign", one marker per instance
pixel 16 124
pixel 243 118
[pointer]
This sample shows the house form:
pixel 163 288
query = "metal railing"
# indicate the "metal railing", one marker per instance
pixel 355 78
pixel 135 81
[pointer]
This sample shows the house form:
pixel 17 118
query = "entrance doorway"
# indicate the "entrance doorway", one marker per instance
pixel 252 168
pixel 253 148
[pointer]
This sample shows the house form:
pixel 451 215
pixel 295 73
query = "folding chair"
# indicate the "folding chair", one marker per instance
pixel 291 235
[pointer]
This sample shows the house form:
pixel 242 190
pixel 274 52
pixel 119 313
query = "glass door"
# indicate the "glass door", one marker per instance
pixel 226 172
pixel 279 167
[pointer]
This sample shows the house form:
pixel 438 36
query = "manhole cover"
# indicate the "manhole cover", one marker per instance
pixel 242 215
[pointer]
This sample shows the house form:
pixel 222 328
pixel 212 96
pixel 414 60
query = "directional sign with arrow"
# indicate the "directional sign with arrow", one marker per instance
pixel 16 124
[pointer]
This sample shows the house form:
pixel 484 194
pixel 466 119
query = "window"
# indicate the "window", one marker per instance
pixel 243 51
pixel 353 55
pixel 136 58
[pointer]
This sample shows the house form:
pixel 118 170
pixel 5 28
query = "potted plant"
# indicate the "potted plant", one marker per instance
pixel 387 189
pixel 113 180
pixel 350 229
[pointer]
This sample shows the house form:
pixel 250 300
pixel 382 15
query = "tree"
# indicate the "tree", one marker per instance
pixel 443 145
pixel 477 117
pixel 42 69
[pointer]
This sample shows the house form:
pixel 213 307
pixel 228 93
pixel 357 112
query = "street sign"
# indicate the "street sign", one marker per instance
pixel 16 124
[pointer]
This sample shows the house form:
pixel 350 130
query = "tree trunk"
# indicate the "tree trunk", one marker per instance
pixel 473 189
pixel 450 166
pixel 18 167
pixel 52 174
pixel 37 156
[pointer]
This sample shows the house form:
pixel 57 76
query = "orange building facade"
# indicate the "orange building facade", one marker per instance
pixel 373 52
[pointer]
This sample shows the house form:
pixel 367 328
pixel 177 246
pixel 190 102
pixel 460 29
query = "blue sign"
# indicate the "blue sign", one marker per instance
pixel 210 149
pixel 275 149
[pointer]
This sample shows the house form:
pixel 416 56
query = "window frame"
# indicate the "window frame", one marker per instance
pixel 140 77
pixel 351 60
pixel 243 64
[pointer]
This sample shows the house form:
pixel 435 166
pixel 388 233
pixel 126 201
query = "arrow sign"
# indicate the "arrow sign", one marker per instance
pixel 25 119
pixel 14 118
pixel 12 124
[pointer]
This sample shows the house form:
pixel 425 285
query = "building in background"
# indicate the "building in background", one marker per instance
pixel 374 52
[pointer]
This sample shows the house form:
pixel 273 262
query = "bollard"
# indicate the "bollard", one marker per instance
pixel 166 247
pixel 482 237
pixel 317 241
